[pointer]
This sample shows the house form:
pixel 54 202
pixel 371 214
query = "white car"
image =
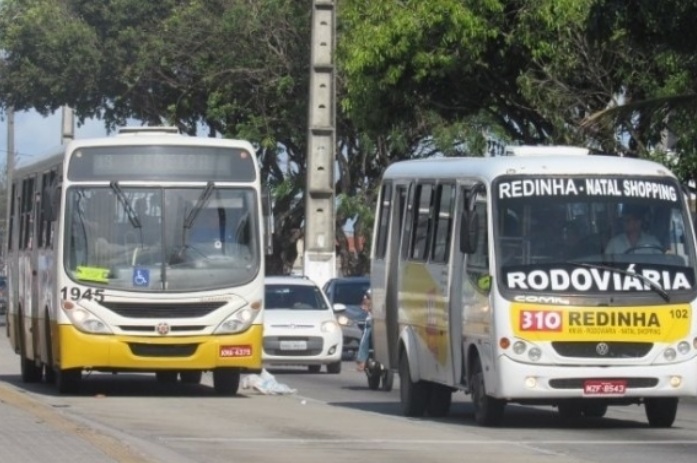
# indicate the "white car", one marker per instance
pixel 300 327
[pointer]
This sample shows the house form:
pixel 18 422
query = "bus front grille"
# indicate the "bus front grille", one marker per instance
pixel 162 310
pixel 162 350
pixel 599 350
pixel 577 383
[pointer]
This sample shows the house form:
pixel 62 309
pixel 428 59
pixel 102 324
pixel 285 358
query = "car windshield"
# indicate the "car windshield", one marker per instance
pixel 294 297
pixel 162 239
pixel 350 293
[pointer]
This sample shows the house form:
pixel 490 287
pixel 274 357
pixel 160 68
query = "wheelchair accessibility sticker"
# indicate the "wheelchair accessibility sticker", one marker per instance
pixel 141 277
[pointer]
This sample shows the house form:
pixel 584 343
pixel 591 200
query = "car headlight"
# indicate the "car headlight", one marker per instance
pixel 329 326
pixel 84 320
pixel 344 320
pixel 239 321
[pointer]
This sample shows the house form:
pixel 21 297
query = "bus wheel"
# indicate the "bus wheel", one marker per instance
pixel 166 376
pixel 413 395
pixel 31 372
pixel 570 409
pixel 226 381
pixel 191 376
pixel 594 409
pixel 488 411
pixel 439 401
pixel 661 411
pixel 68 381
pixel 387 380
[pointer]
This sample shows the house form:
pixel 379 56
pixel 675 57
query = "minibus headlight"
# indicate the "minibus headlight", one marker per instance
pixel 519 347
pixel 239 321
pixel 86 321
pixel 535 354
pixel 669 354
pixel 683 347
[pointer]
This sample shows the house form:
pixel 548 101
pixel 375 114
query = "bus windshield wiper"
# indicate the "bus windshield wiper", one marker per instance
pixel 202 200
pixel 652 284
pixel 130 212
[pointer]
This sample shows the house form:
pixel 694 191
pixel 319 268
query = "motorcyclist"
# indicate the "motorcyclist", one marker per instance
pixel 364 346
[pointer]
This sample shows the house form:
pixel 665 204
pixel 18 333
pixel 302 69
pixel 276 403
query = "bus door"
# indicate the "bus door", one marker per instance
pixel 425 278
pixel 457 261
pixel 386 273
pixel 443 326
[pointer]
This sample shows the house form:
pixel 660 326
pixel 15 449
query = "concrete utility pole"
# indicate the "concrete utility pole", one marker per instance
pixel 320 253
pixel 10 172
pixel 68 125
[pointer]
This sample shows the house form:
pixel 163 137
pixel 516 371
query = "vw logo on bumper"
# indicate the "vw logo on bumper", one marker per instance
pixel 162 328
pixel 602 349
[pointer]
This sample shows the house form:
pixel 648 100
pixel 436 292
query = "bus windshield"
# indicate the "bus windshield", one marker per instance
pixel 161 239
pixel 592 235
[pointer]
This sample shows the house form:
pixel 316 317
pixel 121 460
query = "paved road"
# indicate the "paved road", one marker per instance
pixel 131 418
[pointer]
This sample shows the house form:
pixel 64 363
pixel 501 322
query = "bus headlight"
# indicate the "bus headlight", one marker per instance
pixel 86 321
pixel 669 354
pixel 519 347
pixel 239 321
pixel 683 347
pixel 535 354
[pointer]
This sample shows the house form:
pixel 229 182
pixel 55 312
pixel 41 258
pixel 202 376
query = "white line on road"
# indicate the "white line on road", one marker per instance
pixel 424 441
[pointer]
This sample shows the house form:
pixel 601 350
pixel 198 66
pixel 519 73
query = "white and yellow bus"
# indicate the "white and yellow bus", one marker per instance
pixel 494 276
pixel 105 273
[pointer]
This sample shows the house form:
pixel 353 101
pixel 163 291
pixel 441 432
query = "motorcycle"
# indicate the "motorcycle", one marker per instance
pixel 379 376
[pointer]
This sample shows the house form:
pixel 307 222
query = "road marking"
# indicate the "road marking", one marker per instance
pixel 111 447
pixel 262 440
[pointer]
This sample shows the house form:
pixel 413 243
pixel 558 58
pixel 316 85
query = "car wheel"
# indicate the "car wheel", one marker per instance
pixel 314 368
pixel 334 368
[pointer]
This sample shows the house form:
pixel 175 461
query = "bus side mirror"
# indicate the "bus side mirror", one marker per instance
pixel 469 232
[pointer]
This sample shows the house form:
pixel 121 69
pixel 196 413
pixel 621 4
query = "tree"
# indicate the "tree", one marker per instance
pixel 239 67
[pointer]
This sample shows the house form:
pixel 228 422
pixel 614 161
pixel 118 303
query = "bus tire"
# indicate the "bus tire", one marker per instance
pixel 439 401
pixel 191 376
pixel 488 411
pixel 226 381
pixel 413 395
pixel 570 409
pixel 166 376
pixel 594 409
pixel 31 372
pixel 68 381
pixel 661 411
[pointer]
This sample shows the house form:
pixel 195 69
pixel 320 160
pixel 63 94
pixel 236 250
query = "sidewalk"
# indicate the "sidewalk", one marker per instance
pixel 31 432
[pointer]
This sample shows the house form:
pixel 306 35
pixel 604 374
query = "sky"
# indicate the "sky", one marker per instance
pixel 36 135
